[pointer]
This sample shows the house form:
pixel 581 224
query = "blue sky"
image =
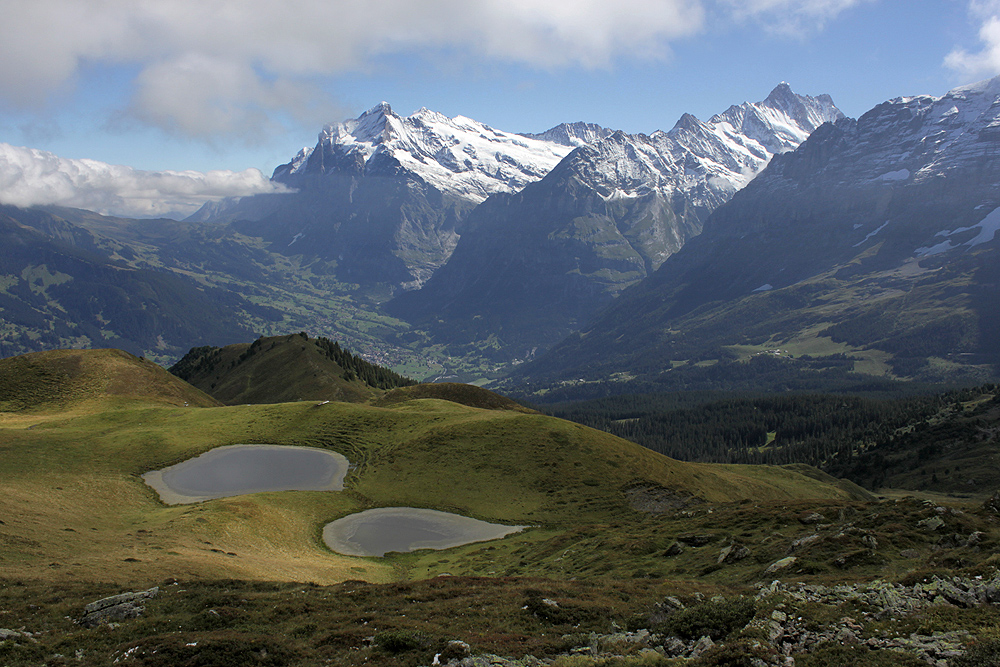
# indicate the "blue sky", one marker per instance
pixel 221 85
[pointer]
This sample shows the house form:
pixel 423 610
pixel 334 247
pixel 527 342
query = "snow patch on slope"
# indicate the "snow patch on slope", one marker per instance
pixel 988 228
pixel 870 234
pixel 899 175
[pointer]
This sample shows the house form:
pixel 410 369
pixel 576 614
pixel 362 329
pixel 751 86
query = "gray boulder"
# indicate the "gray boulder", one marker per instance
pixel 993 504
pixel 116 608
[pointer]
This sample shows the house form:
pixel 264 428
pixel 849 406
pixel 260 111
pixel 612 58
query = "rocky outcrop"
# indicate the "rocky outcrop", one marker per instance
pixel 116 608
pixel 895 600
pixel 787 633
pixel 993 504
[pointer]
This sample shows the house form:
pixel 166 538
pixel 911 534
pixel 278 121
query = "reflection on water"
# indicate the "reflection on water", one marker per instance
pixel 379 531
pixel 239 469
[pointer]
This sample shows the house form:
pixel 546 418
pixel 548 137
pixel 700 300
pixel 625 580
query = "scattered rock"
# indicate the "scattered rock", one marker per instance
pixel 780 564
pixel 932 523
pixel 993 504
pixel 116 608
pixel 672 602
pixel 696 540
pixel 701 646
pixel 454 650
pixel 810 519
pixel 664 609
pixel 675 549
pixel 803 542
pixel 734 552
pixel 789 634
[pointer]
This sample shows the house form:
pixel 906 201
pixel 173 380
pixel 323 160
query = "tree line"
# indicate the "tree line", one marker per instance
pixel 844 435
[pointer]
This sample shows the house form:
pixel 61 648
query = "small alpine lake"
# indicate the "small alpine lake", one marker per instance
pixel 376 532
pixel 235 470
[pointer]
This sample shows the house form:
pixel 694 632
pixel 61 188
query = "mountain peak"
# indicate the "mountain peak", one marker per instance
pixel 984 87
pixel 781 92
pixel 380 108
pixel 687 122
pixel 572 134
pixel 459 155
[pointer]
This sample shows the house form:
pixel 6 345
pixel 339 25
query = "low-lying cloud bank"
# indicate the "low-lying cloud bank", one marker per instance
pixel 31 177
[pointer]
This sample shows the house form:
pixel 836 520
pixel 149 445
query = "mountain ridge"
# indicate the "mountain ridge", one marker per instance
pixel 874 237
pixel 533 266
pixel 381 199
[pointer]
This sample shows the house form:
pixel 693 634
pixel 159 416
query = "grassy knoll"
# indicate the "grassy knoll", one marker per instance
pixel 62 379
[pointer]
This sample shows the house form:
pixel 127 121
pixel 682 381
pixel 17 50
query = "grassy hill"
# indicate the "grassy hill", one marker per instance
pixel 62 379
pixel 279 369
pixel 74 504
pixel 465 394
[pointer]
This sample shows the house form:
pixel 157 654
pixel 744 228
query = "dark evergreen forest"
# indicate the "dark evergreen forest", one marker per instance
pixel 867 440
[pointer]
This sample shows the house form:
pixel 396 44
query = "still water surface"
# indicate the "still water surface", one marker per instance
pixel 238 469
pixel 378 531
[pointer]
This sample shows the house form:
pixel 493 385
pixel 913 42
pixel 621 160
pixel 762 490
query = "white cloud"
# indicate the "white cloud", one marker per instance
pixel 30 177
pixel 211 67
pixel 984 63
pixel 792 17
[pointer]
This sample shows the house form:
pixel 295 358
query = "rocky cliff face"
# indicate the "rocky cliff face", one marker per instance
pixel 534 266
pixel 382 197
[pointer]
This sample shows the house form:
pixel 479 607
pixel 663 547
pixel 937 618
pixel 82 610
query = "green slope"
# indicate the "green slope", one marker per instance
pixel 65 379
pixel 71 493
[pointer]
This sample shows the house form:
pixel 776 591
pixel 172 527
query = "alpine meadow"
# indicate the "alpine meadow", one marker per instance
pixel 438 393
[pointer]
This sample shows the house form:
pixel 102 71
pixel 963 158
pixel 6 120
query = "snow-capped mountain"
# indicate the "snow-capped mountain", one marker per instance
pixel 878 235
pixel 572 134
pixel 532 267
pixel 458 156
pixel 381 199
pixel 919 175
pixel 707 161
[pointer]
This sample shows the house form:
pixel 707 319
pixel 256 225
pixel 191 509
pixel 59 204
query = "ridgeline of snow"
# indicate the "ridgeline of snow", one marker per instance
pixel 707 161
pixel 458 156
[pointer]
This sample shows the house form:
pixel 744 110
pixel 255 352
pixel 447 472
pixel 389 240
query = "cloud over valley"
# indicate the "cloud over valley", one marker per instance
pixel 30 177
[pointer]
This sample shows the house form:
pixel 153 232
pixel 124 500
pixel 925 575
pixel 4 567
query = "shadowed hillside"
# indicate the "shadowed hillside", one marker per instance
pixel 280 369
